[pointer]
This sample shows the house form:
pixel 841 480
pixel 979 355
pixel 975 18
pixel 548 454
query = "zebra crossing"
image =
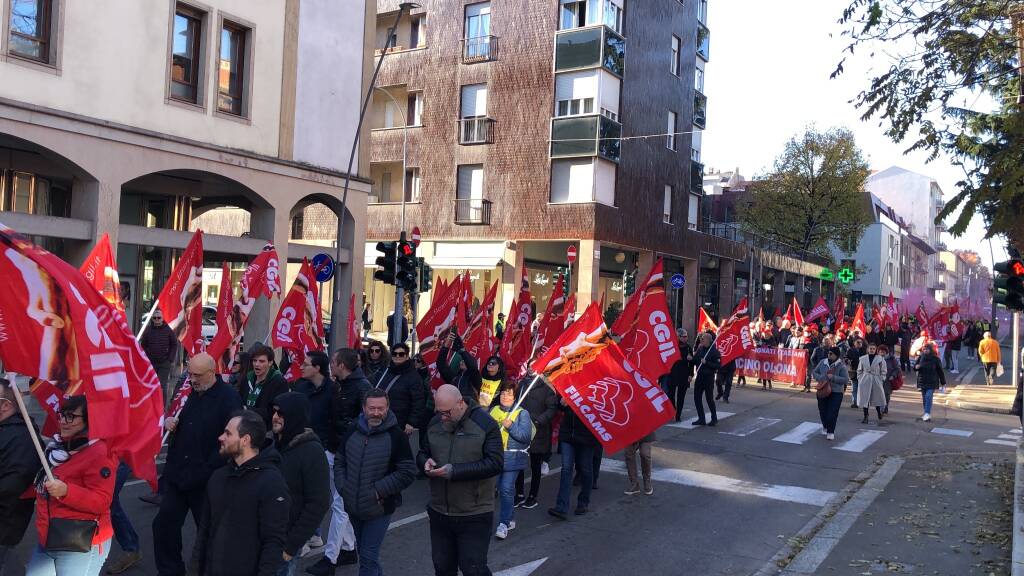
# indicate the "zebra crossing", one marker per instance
pixel 1010 438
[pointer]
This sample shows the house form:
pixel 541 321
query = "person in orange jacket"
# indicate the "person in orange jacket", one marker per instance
pixel 990 355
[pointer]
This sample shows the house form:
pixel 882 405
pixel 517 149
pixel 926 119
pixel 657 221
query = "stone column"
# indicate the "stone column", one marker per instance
pixel 726 287
pixel 588 273
pixel 645 261
pixel 511 271
pixel 99 202
pixel 691 270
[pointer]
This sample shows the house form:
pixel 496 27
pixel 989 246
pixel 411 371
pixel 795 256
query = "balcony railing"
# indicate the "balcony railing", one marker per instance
pixel 590 135
pixel 700 109
pixel 473 211
pixel 696 177
pixel 590 47
pixel 736 233
pixel 940 266
pixel 940 285
pixel 940 246
pixel 478 130
pixel 479 49
pixel 703 42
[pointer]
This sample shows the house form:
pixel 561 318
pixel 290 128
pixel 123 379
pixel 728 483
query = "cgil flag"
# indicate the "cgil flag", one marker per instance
pixel 299 326
pixel 220 347
pixel 704 322
pixel 741 309
pixel 648 342
pixel 57 327
pixel 734 339
pixel 100 269
pixel 858 320
pixel 181 297
pixel 616 401
pixel 517 344
pixel 434 327
pixel 553 323
pixel 479 341
pixel 261 277
pixel 820 309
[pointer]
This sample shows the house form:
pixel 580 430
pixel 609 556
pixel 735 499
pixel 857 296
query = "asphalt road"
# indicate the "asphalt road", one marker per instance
pixel 726 498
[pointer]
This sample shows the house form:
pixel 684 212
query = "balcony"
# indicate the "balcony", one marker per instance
pixel 479 49
pixel 696 177
pixel 478 130
pixel 591 47
pixel 590 135
pixel 700 109
pixel 940 266
pixel 940 246
pixel 473 211
pixel 940 285
pixel 703 42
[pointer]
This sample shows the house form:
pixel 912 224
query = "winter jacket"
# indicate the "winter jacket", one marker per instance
pixel 258 395
pixel 194 451
pixel 18 467
pixel 870 378
pixel 573 430
pixel 542 405
pixel 305 470
pixel 473 448
pixel 840 375
pixel 989 351
pixel 244 520
pixel 708 362
pixel 929 372
pixel 853 361
pixel 374 370
pixel 90 475
pixel 159 343
pixel 322 409
pixel 405 392
pixel 372 468
pixel 348 402
pixel 516 439
pixel 468 381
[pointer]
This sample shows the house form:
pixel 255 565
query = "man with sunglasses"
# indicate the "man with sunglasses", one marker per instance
pixel 161 346
pixel 404 388
pixel 20 464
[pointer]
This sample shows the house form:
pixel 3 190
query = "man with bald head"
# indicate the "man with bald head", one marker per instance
pixel 193 453
pixel 461 454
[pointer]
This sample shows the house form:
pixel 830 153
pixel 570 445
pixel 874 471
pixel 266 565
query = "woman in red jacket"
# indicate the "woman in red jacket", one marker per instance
pixel 83 486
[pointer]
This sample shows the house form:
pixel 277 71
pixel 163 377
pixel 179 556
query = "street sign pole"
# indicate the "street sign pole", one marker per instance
pixel 398 316
pixel 1016 350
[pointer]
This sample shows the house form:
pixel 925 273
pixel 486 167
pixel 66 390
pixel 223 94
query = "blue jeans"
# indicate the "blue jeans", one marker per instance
pixel 289 568
pixel 45 563
pixel 123 530
pixel 369 538
pixel 926 397
pixel 575 456
pixel 3 554
pixel 507 493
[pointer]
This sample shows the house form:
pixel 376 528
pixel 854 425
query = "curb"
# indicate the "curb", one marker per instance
pixel 983 408
pixel 1017 555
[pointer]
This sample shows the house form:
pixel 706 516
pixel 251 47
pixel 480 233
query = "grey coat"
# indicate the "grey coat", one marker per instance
pixel 840 375
pixel 372 467
pixel 870 377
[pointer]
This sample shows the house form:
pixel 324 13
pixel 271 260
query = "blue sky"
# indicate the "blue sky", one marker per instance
pixel 768 78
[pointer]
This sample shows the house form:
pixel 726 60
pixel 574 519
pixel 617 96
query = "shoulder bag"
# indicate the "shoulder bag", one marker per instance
pixel 67 535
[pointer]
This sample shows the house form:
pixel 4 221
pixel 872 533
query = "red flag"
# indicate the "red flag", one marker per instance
pixel 220 348
pixel 479 340
pixel 922 316
pixel 820 309
pixel 434 326
pixel 617 402
pixel 50 397
pixel 465 286
pixel 354 341
pixel 553 323
pixel 840 308
pixel 876 316
pixel 798 315
pixel 789 312
pixel 262 277
pixel 570 312
pixel 299 327
pixel 440 287
pixel 741 309
pixel 517 345
pixel 858 319
pixel 893 313
pixel 100 269
pixel 650 344
pixel 734 338
pixel 180 397
pixel 704 322
pixel 57 327
pixel 181 297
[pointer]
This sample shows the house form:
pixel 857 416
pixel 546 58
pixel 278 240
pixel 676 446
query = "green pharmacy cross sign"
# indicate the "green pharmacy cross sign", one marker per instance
pixel 826 274
pixel 846 275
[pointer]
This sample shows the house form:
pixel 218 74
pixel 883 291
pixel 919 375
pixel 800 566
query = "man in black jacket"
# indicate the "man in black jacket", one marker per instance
pixel 404 388
pixel 245 514
pixel 577 445
pixel 542 406
pixel 305 470
pixel 466 377
pixel 708 361
pixel 461 453
pixel 18 467
pixel 161 347
pixel 372 468
pixel 192 456
pixel 679 374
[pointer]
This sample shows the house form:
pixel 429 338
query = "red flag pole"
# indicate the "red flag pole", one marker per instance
pixel 11 379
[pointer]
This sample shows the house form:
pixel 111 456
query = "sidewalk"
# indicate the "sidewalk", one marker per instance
pixel 997 399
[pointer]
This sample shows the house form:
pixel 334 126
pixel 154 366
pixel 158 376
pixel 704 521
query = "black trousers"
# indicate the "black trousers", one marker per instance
pixel 724 382
pixel 535 461
pixel 175 505
pixel 677 394
pixel 460 543
pixel 707 390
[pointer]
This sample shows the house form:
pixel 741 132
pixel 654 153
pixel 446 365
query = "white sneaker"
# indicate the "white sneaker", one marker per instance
pixel 315 542
pixel 501 532
pixel 544 469
pixel 954 371
pixel 306 550
pixel 824 431
pixel 511 525
pixel 926 418
pixel 942 389
pixel 830 436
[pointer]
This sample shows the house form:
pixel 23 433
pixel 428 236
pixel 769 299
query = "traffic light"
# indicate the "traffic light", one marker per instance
pixel 406 274
pixel 1009 284
pixel 426 276
pixel 387 262
pixel 629 282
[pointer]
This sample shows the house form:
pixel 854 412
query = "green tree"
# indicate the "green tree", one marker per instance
pixel 813 198
pixel 938 55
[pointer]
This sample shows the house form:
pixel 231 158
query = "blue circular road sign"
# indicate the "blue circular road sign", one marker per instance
pixel 324 266
pixel 678 281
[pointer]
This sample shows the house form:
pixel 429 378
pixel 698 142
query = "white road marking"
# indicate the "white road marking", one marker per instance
pixel 800 434
pixel 687 423
pixel 522 569
pixel 1009 437
pixel 1002 442
pixel 860 442
pixel 953 432
pixel 1016 431
pixel 785 493
pixel 753 426
pixel 407 520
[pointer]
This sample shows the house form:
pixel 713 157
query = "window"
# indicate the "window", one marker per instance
pixel 414 111
pixel 670 142
pixel 412 185
pixel 384 191
pixel 575 107
pixel 297 223
pixel 474 101
pixel 478 31
pixel 613 15
pixel 698 79
pixel 418 32
pixel 702 11
pixel 609 114
pixel 27 193
pixel 572 180
pixel 693 210
pixel 673 66
pixel 470 182
pixel 31 29
pixel 186 55
pixel 695 154
pixel 574 14
pixel 231 71
pixel 576 93
pixel 666 210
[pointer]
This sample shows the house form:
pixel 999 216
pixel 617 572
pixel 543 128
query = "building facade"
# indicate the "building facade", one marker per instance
pixel 168 115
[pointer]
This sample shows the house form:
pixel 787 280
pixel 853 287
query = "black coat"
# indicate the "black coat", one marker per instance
pixel 322 409
pixel 372 467
pixel 244 520
pixel 929 372
pixel 305 470
pixel 194 451
pixel 18 467
pixel 574 431
pixel 348 401
pixel 273 386
pixel 707 362
pixel 405 392
pixel 542 405
pixel 468 381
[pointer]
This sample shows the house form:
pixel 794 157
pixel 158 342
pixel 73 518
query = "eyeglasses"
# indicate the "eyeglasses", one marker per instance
pixel 492 363
pixel 69 417
pixel 400 354
pixel 375 350
pixel 194 375
pixel 445 413
pixel 236 363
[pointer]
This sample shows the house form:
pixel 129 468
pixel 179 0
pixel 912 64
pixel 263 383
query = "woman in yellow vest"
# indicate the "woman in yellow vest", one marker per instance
pixel 490 380
pixel 516 434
